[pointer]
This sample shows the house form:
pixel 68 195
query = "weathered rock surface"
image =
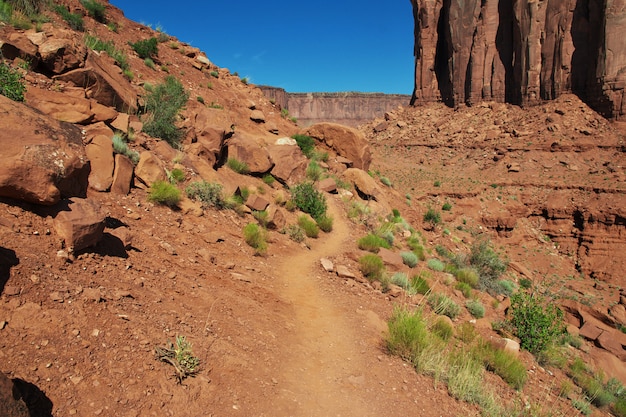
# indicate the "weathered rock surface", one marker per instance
pixel 122 175
pixel 346 141
pixel 520 52
pixel 150 169
pixel 249 151
pixel 82 226
pixel 289 163
pixel 100 155
pixel 43 160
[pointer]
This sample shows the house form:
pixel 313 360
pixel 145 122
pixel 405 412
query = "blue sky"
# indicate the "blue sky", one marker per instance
pixel 326 45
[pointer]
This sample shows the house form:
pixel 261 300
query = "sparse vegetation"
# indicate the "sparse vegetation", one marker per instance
pixel 176 175
pixel 444 305
pixel 238 166
pixel 120 146
pixel 372 243
pixel 180 356
pixel 401 280
pixel 11 84
pixel 163 103
pixel 95 10
pixel 309 200
pixel 419 284
pixel 309 226
pixel 255 236
pixel 432 216
pixel 163 192
pixel 314 171
pixel 372 266
pixel 146 48
pixel 409 259
pixel 325 223
pixel 118 55
pixel 435 264
pixel 74 20
pixel 295 233
pixel 475 308
pixel 210 194
pixel 306 144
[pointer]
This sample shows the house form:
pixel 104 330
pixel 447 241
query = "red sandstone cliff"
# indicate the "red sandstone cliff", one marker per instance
pixel 521 51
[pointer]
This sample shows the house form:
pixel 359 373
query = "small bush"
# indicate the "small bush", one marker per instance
pixel 306 143
pixel 210 194
pixel 120 146
pixel 583 406
pixel 408 334
pixel 309 226
pixel 386 181
pixel 325 223
pixel 309 200
pixel 467 276
pixel 419 284
pixel 372 243
pixel 444 305
pixel 254 235
pixel 488 265
pixel 505 364
pixel 435 264
pixel 238 166
pixel 432 216
pixel 409 259
pixel 537 323
pixel 372 266
pixel 163 192
pixel 95 10
pixel 314 171
pixel 446 206
pixel 164 103
pixel 295 233
pixel 401 280
pixel 464 288
pixel 619 407
pixel 442 328
pixel 176 175
pixel 74 20
pixel 268 179
pixel 475 308
pixel 261 216
pixel 525 283
pixel 146 48
pixel 466 332
pixel 118 55
pixel 11 84
pixel 149 63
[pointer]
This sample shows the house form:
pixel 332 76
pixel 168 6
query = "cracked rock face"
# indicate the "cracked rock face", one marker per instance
pixel 520 52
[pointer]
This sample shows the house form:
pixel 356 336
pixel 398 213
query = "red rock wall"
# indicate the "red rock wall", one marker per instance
pixel 521 51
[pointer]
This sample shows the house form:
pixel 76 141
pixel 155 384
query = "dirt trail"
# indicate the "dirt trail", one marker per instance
pixel 323 364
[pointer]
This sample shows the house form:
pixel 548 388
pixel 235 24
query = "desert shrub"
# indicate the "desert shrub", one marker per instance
pixel 372 243
pixel 619 407
pixel 506 287
pixel 309 200
pixel 314 171
pixel 466 332
pixel 446 206
pixel 372 266
pixel 552 355
pixel 164 102
pixel 11 84
pixel 442 328
pixel 475 308
pixel 238 166
pixel 163 192
pixel 176 175
pixel 504 364
pixel 419 284
pixel 464 288
pixel 325 223
pixel 209 194
pixel 120 146
pixel 255 236
pixel 118 55
pixel 435 264
pixel 74 20
pixel 408 334
pixel 536 322
pixel 95 10
pixel 525 283
pixel 432 216
pixel 467 276
pixel 409 259
pixel 268 179
pixel 149 63
pixel 306 144
pixel 386 181
pixel 401 280
pixel 309 226
pixel 444 305
pixel 146 48
pixel 582 405
pixel 295 233
pixel 28 7
pixel 488 265
pixel 465 380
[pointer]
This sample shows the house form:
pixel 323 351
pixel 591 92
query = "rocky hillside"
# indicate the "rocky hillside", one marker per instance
pixel 520 52
pixel 198 260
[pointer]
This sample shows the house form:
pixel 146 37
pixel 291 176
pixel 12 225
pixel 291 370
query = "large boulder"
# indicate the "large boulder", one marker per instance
pixel 365 186
pixel 42 158
pixel 103 82
pixel 63 107
pixel 289 162
pixel 251 152
pixel 208 139
pixel 17 45
pixel 82 226
pixel 60 54
pixel 150 169
pixel 346 141
pixel 11 403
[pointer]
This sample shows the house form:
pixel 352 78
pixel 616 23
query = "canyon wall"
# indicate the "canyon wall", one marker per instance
pixel 521 51
pixel 351 109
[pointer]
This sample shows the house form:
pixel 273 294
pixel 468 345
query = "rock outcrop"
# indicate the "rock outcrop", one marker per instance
pixel 520 51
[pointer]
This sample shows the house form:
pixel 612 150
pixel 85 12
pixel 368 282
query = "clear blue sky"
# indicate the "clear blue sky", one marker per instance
pixel 321 46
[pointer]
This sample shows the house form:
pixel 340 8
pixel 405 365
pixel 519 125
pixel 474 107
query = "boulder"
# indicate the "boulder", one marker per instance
pixel 122 175
pixel 257 116
pixel 276 219
pixel 250 151
pixel 100 155
pixel 121 122
pixel 289 163
pixel 63 107
pixel 328 185
pixel 150 169
pixel 93 130
pixel 366 186
pixel 43 160
pixel 390 258
pixel 103 82
pixel 208 139
pixel 82 226
pixel 257 203
pixel 17 45
pixel 327 264
pixel 346 141
pixel 60 55
pixel 11 403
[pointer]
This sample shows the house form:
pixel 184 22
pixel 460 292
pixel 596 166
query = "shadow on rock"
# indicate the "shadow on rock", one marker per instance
pixel 8 259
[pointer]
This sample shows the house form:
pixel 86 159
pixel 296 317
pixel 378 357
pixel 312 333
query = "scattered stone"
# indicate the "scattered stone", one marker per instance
pixel 257 203
pixel 150 169
pixel 344 272
pixel 513 167
pixel 168 248
pixel 82 226
pixel 327 264
pixel 346 141
pixel 328 185
pixel 11 290
pixel 122 175
pixel 257 116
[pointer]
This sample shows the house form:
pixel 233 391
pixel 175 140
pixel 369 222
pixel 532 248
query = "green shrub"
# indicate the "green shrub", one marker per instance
pixel 465 380
pixel 238 166
pixel 325 223
pixel 386 181
pixel 314 171
pixel 467 276
pixel 464 288
pixel 553 355
pixel 261 216
pixel 435 264
pixel 118 55
pixel 419 284
pixel 444 305
pixel 475 308
pixel 408 334
pixel 537 323
pixel 372 266
pixel 619 407
pixel 146 48
pixel 95 10
pixel 163 192
pixel 306 143
pixel 11 84
pixel 28 7
pixel 210 194
pixel 442 328
pixel 254 235
pixel 409 259
pixel 295 233
pixel 432 216
pixel 505 364
pixel 401 280
pixel 309 200
pixel 74 20
pixel 446 206
pixel 488 265
pixel 268 179
pixel 120 146
pixel 309 226
pixel 372 243
pixel 149 63
pixel 176 175
pixel 164 103
pixel 583 406
pixel 525 283
pixel 506 287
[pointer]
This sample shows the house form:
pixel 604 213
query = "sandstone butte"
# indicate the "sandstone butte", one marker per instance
pixel 94 276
